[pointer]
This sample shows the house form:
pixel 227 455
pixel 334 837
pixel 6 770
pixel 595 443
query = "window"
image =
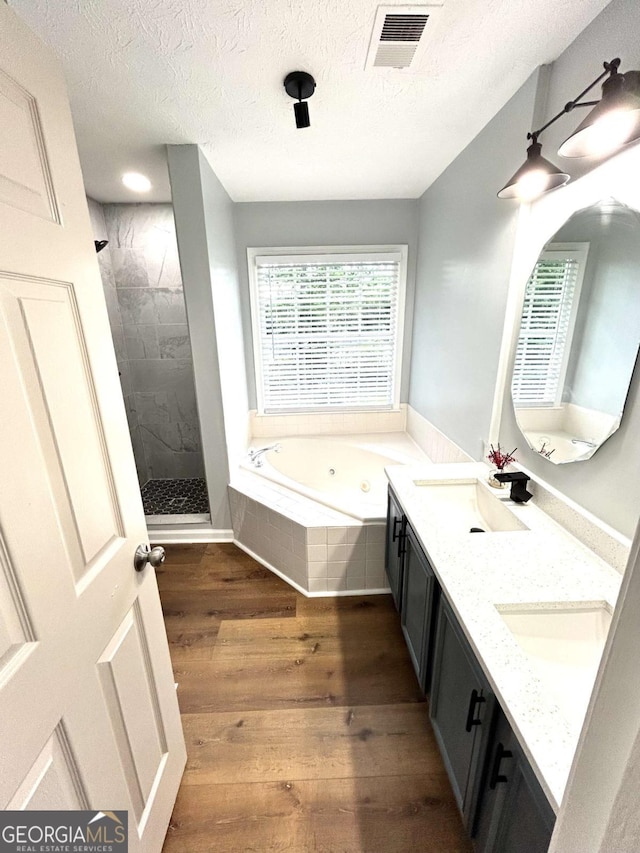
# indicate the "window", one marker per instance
pixel 327 327
pixel 547 323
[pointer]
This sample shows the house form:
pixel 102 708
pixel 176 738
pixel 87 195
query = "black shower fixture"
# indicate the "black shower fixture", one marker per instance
pixel 300 85
pixel 100 244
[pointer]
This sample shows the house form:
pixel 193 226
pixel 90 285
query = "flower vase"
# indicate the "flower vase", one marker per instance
pixel 495 484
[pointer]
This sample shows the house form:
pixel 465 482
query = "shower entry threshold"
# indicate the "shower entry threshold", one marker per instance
pixel 176 501
pixel 193 518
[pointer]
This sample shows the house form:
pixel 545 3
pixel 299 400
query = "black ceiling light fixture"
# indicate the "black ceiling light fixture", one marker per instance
pixel 614 121
pixel 535 176
pixel 300 85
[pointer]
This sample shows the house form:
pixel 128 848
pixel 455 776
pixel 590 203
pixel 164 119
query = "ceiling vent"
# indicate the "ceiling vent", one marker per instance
pixel 398 33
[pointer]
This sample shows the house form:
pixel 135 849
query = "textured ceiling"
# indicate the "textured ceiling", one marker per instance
pixel 143 73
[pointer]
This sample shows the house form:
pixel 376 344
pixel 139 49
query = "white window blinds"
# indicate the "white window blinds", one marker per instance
pixel 328 330
pixel 546 327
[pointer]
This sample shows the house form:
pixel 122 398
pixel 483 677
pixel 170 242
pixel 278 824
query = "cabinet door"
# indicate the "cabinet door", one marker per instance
pixel 418 590
pixel 461 710
pixel 394 548
pixel 514 814
pixel 499 767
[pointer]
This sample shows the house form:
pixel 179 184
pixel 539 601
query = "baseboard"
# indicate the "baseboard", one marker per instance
pixel 339 593
pixel 305 592
pixel 187 533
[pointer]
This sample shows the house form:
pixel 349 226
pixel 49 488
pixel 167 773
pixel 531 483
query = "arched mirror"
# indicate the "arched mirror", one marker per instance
pixel 579 333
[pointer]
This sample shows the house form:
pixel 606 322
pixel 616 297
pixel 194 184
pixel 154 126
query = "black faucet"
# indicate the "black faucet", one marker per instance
pixel 518 481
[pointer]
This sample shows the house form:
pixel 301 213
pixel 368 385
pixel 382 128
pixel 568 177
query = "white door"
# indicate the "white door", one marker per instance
pixel 88 711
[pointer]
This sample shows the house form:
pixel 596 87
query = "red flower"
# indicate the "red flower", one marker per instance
pixel 500 459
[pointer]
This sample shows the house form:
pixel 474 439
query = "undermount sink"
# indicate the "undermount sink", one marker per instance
pixel 564 644
pixel 466 504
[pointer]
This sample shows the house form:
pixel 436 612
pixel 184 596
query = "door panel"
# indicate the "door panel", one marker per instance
pixel 461 710
pixel 527 822
pixel 54 781
pixel 418 590
pixel 16 631
pixel 133 706
pixel 88 711
pixel 50 354
pixel 25 176
pixel 514 813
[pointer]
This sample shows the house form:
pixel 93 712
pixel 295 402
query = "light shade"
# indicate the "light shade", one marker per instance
pixel 301 109
pixel 614 121
pixel 300 85
pixel 534 177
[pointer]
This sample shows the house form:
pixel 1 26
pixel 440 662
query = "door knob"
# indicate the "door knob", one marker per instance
pixel 144 554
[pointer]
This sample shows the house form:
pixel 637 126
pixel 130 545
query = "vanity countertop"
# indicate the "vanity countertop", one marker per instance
pixel 543 564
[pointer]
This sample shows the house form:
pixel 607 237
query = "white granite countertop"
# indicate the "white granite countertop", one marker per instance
pixel 543 564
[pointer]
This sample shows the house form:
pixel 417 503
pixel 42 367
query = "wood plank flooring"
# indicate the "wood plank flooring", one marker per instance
pixel 305 728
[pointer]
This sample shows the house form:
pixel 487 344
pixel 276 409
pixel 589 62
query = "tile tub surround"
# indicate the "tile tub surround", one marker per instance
pixel 317 550
pixel 148 288
pixel 543 564
pixel 434 443
pixel 331 552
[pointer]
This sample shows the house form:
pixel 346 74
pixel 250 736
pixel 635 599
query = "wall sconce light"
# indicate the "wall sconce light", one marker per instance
pixel 300 85
pixel 614 121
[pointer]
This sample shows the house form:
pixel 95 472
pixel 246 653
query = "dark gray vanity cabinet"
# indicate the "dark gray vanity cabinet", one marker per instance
pixel 414 589
pixel 514 814
pixel 419 593
pixel 461 709
pixel 502 804
pixel 394 547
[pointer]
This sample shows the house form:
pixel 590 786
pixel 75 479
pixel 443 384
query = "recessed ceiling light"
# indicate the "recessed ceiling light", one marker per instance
pixel 136 182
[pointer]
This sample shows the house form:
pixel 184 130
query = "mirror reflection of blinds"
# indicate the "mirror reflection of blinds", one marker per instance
pixel 545 323
pixel 328 331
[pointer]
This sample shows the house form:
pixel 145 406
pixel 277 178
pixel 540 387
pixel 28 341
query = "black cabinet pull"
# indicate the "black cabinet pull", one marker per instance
pixel 402 548
pixel 475 699
pixel 496 776
pixel 400 535
pixel 395 529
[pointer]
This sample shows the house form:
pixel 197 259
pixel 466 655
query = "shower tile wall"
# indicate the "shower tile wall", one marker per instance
pixel 105 263
pixel 151 326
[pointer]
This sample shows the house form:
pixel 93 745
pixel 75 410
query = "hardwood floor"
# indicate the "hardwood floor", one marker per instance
pixel 305 727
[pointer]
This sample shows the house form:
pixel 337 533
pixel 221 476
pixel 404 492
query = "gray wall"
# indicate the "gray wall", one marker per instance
pixel 614 33
pixel 601 484
pixel 325 223
pixel 464 262
pixel 227 309
pixel 204 224
pixel 465 253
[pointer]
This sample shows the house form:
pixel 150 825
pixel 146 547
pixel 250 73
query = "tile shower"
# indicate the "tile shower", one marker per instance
pixel 142 281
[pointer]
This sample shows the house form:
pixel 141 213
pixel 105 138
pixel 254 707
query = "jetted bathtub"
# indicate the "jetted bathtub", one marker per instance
pixel 343 472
